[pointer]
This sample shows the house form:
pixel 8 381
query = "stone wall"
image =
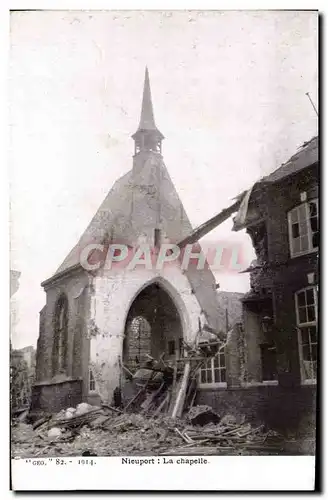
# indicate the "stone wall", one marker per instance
pixel 76 290
pixel 56 396
pixel 114 293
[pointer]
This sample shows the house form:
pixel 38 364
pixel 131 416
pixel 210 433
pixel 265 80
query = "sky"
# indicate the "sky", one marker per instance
pixel 228 91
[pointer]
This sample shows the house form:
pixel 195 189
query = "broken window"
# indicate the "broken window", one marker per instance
pixel 303 228
pixel 214 370
pixel 60 335
pixel 306 315
pixel 92 382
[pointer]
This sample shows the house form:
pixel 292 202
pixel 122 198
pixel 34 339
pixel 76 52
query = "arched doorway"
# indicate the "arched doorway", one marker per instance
pixel 153 327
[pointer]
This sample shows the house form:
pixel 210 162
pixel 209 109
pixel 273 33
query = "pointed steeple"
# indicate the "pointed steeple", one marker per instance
pixel 147 137
pixel 147 121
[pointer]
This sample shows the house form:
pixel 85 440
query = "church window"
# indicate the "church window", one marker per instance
pixel 60 335
pixel 92 382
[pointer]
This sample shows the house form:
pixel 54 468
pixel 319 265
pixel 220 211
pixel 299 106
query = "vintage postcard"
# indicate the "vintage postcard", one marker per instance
pixel 164 210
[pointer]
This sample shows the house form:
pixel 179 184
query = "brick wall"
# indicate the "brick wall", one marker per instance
pixel 280 198
pixel 284 275
pixel 288 410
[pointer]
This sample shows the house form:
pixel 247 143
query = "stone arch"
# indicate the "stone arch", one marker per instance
pixel 154 324
pixel 174 295
pixel 60 322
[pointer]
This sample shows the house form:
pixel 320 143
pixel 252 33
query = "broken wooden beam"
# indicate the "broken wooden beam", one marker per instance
pixel 178 407
pixel 162 404
pixel 117 410
pixel 207 226
pixel 141 391
pixel 181 435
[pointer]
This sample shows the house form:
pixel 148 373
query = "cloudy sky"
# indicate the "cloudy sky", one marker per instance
pixel 228 92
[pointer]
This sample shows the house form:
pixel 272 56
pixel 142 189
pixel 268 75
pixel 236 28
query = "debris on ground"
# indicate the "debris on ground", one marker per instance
pixel 54 432
pixel 203 415
pixel 104 432
pixel 153 413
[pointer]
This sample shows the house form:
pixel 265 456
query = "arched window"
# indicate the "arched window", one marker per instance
pixel 59 353
pixel 138 342
pixel 92 382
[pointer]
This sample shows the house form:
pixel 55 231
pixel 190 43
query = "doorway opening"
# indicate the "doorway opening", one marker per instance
pixel 153 327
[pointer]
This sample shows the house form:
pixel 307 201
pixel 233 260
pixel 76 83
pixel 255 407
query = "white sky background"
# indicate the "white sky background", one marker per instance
pixel 228 92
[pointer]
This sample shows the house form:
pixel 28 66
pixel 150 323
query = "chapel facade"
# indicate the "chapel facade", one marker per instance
pixel 97 319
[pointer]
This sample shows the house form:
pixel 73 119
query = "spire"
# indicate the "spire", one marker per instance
pixel 147 137
pixel 147 121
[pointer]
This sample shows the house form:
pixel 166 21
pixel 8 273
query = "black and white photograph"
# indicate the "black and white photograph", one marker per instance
pixel 164 245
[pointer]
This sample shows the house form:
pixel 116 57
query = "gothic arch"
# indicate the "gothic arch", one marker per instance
pixel 154 324
pixel 173 293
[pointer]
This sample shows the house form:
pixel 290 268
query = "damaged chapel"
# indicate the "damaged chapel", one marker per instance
pixel 104 329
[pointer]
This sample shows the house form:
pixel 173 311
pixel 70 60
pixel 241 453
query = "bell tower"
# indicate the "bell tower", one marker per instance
pixel 147 137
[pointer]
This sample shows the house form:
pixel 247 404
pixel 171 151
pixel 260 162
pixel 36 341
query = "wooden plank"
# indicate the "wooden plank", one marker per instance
pixel 178 407
pixel 161 406
pixel 143 389
pixel 189 438
pixel 207 226
pixel 148 402
pixel 174 384
pixel 126 369
pixel 181 435
pixel 117 410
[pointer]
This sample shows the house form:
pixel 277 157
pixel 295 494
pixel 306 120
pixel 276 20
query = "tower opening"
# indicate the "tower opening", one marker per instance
pixel 153 327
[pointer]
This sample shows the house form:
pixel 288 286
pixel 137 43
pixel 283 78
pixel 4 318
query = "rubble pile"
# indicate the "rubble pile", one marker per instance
pixel 154 414
pixel 109 432
pixel 231 438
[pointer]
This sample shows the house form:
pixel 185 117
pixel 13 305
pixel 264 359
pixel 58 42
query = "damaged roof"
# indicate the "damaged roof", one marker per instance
pixel 307 155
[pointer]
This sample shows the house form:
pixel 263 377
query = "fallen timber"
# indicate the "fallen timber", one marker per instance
pixel 158 419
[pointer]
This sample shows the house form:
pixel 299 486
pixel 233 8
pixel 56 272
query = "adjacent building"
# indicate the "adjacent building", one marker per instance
pixel 281 309
pixel 22 376
pixel 272 356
